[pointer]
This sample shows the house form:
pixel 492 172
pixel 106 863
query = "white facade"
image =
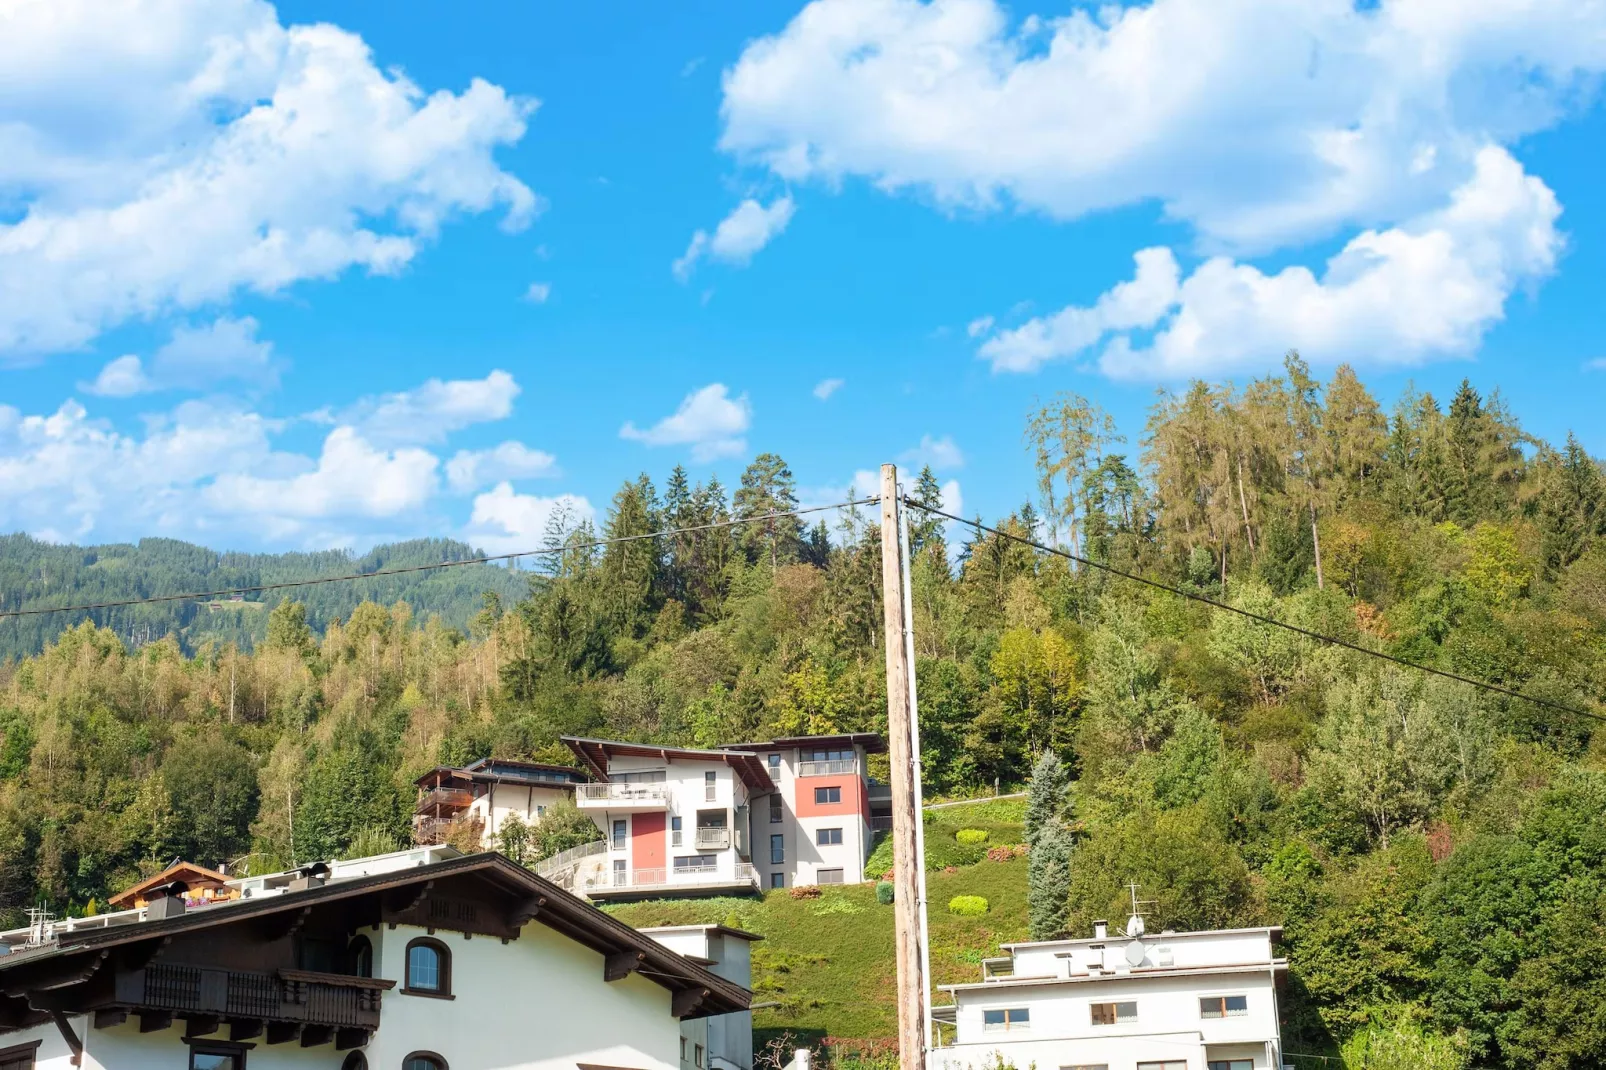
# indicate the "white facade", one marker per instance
pixel 820 810
pixel 1175 1001
pixel 723 1041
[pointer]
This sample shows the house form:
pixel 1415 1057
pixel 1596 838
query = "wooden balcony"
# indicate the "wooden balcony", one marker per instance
pixel 444 801
pixel 317 1007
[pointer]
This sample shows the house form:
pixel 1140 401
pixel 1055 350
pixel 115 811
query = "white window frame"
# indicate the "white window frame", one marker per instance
pixel 823 837
pixel 1117 1004
pixel 1225 1011
pixel 1006 1026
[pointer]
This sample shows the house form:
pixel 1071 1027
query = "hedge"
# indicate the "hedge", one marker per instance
pixel 967 906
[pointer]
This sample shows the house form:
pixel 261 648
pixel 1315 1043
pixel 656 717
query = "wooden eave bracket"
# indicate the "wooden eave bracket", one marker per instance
pixel 76 1045
pixel 621 964
pixel 527 910
pixel 686 1000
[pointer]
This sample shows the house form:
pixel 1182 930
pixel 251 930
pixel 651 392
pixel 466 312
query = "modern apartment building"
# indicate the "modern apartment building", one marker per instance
pixel 1176 1001
pixel 740 818
pixel 484 794
pixel 717 1041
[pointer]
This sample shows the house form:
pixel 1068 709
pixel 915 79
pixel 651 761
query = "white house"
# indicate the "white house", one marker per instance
pixel 1176 1001
pixel 485 793
pixel 421 960
pixel 718 1041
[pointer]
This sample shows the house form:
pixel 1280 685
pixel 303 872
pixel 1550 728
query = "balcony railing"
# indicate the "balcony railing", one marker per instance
pixel 618 880
pixel 446 800
pixel 623 793
pixel 287 996
pixel 880 824
pixel 428 830
pixel 833 768
pixel 713 839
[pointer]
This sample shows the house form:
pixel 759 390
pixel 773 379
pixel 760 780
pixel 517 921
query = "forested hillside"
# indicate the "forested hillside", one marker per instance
pixel 36 574
pixel 1436 854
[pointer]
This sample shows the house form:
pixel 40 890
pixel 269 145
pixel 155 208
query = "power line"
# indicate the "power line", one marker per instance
pixel 488 559
pixel 1331 640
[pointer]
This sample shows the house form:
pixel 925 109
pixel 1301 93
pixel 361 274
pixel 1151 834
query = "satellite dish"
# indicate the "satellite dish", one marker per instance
pixel 1134 953
pixel 1134 926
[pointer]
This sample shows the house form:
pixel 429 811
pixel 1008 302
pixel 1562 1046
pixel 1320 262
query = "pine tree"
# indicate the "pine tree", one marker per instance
pixel 1048 839
pixel 768 487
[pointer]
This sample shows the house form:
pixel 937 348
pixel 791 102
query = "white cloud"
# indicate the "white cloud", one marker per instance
pixel 939 453
pixel 194 358
pixel 538 293
pixel 351 477
pixel 826 387
pixel 979 326
pixel 167 155
pixel 709 420
pixel 1431 286
pixel 434 410
pixel 740 235
pixel 952 500
pixel 504 521
pixel 471 469
pixel 120 378
pixel 1598 364
pixel 1259 122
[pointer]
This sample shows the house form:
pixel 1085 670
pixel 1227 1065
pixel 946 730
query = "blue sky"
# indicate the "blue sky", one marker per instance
pixel 273 281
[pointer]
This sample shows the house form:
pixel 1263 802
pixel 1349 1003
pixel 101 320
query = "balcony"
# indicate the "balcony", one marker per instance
pixel 880 822
pixel 623 798
pixel 844 766
pixel 702 880
pixel 878 791
pixel 713 839
pixel 315 1005
pixel 444 801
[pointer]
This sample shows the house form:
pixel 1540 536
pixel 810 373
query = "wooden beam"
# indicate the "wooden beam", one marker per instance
pixel 244 1028
pixel 527 910
pixel 687 1000
pixel 138 956
pixel 283 1032
pixel 57 974
pixel 403 899
pixel 73 1043
pixel 314 1035
pixel 201 1025
pixel 107 1017
pixel 347 1037
pixel 279 926
pixel 155 1021
pixel 621 964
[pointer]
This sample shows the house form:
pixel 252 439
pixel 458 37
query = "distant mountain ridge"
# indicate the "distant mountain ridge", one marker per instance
pixel 35 574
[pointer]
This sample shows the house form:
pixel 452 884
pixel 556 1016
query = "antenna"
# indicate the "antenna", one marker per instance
pixel 1134 924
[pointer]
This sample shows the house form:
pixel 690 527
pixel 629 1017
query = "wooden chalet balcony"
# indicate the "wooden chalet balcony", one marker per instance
pixel 444 801
pixel 286 1002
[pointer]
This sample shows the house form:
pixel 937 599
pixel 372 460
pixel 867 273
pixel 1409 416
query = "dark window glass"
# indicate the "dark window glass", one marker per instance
pixel 826 837
pixel 828 795
pixel 420 1061
pixel 212 1057
pixel 776 811
pixel 777 850
pixel 777 880
pixel 362 957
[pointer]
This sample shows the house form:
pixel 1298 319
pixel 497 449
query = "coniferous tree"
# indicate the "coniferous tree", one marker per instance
pixel 769 488
pixel 1048 842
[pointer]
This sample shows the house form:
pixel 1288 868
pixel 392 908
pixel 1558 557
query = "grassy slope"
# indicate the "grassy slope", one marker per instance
pixel 829 962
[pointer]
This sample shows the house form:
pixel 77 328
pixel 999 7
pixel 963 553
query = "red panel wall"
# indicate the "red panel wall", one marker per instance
pixel 854 800
pixel 648 841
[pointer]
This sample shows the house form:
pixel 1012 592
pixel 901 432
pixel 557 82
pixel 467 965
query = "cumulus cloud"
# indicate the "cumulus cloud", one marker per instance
pixel 504 521
pixel 351 477
pixel 194 357
pixel 709 420
pixel 826 387
pixel 164 156
pixel 939 453
pixel 740 235
pixel 470 469
pixel 1431 286
pixel 434 410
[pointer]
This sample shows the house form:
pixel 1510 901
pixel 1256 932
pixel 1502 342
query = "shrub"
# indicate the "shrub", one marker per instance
pixel 883 893
pixel 1005 852
pixel 969 836
pixel 967 906
pixel 805 891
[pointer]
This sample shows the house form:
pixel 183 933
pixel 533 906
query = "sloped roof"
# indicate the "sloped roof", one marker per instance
pixel 595 753
pixel 188 872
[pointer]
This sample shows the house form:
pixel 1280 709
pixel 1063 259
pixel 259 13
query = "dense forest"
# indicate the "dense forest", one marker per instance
pixel 36 574
pixel 1436 854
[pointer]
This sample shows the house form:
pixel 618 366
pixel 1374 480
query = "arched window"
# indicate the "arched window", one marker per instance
pixel 423 1060
pixel 429 969
pixel 354 1061
pixel 362 957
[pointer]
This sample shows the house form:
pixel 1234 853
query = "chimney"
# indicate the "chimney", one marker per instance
pixel 165 902
pixel 312 876
pixel 1101 930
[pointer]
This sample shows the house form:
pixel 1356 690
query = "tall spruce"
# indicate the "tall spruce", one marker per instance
pixel 1048 838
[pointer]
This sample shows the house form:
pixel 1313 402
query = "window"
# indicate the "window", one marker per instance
pixel 827 837
pixel 775 809
pixel 832 794
pixel 1169 1064
pixel 828 876
pixel 775 767
pixel 540 812
pixel 619 834
pixel 777 849
pixel 777 880
pixel 674 832
pixel 423 1060
pixel 355 1060
pixel 618 872
pixel 1232 1064
pixel 19 1057
pixel 682 1049
pixel 697 1055
pixel 1223 1007
pixel 205 1055
pixel 1006 1020
pixel 362 957
pixel 709 784
pixel 429 968
pixel 650 776
pixel 1087 1066
pixel 1113 1013
pixel 687 863
pixel 828 754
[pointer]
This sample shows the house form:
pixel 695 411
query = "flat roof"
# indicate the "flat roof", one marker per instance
pixel 1116 935
pixel 872 742
pixel 726 930
pixel 1274 966
pixel 595 752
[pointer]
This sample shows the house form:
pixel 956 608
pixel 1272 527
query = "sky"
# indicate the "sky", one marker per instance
pixel 328 275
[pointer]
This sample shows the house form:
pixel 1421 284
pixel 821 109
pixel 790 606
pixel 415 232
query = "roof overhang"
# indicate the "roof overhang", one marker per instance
pixel 1274 967
pixel 594 755
pixel 872 742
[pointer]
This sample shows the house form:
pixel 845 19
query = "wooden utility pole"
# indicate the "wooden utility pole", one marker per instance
pixel 905 815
